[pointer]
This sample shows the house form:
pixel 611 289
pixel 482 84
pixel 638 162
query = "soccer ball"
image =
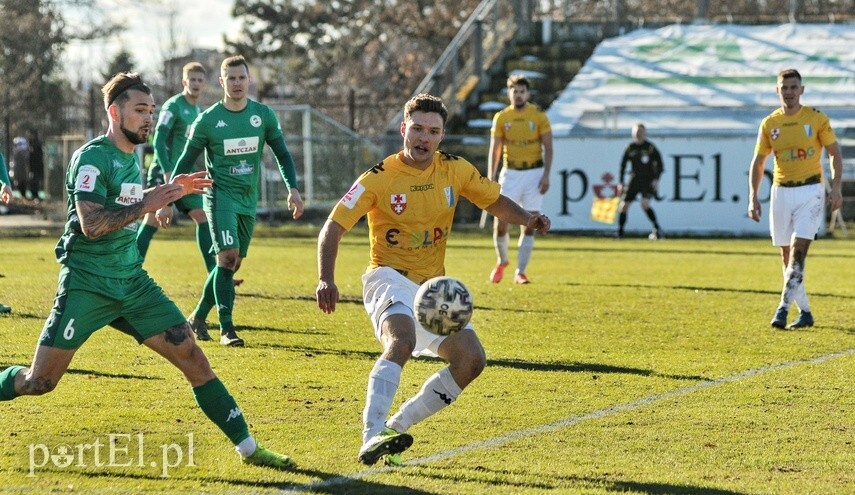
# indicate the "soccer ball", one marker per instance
pixel 443 305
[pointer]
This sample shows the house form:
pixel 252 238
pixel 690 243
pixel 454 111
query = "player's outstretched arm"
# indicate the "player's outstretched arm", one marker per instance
pixel 96 220
pixel 328 241
pixel 508 211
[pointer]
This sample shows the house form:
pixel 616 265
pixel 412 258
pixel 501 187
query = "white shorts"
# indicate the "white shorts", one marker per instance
pixel 383 287
pixel 795 211
pixel 523 187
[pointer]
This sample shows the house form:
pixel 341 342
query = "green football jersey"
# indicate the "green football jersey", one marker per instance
pixel 101 173
pixel 173 130
pixel 233 142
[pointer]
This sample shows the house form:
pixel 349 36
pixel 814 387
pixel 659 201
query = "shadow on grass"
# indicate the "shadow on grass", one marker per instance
pixel 102 374
pixel 306 298
pixel 23 316
pixel 699 288
pixel 486 476
pixel 618 247
pixel 576 367
pixel 280 330
pixel 519 364
pixel 354 486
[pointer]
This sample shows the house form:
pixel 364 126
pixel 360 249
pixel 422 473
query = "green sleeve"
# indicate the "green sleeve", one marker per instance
pixel 187 160
pixel 4 174
pixel 161 148
pixel 286 163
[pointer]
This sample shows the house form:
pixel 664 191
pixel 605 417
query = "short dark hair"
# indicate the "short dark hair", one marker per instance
pixel 788 73
pixel 426 103
pixel 116 89
pixel 192 67
pixel 234 61
pixel 518 79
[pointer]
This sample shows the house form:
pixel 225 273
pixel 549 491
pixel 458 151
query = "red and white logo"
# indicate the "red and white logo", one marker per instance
pixel 398 203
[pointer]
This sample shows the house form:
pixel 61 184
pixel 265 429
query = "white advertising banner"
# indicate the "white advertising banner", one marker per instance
pixel 703 190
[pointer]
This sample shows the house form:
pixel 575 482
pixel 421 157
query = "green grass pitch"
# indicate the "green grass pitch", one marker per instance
pixel 626 366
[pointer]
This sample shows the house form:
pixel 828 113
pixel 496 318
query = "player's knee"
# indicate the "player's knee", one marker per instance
pixel 178 334
pixel 38 385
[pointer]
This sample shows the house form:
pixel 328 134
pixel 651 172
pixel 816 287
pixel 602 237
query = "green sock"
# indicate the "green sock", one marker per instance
pixel 207 302
pixel 205 243
pixel 224 293
pixel 144 235
pixel 7 382
pixel 221 408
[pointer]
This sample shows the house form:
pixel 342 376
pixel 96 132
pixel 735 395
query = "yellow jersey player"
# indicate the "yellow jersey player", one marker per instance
pixel 796 134
pixel 521 138
pixel 409 199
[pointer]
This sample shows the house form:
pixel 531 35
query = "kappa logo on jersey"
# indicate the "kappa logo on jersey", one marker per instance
pixel 129 194
pixel 86 177
pixel 775 133
pixel 118 164
pixel 165 117
pixel 398 203
pixel 240 146
pixel 221 124
pixel 352 196
pixel 255 120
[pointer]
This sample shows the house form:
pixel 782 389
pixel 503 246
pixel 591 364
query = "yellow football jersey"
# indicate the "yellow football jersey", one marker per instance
pixel 410 211
pixel 521 131
pixel 797 141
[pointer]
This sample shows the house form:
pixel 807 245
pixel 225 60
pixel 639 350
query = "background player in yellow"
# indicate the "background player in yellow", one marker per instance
pixel 521 138
pixel 796 134
pixel 409 199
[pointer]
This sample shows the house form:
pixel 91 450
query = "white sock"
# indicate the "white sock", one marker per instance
pixel 793 278
pixel 438 392
pixel 501 243
pixel 247 447
pixel 526 246
pixel 382 386
pixel 799 295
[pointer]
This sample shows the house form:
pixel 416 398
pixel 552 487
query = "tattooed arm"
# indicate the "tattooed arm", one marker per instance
pixel 96 221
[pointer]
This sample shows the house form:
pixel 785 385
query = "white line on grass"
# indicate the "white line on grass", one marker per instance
pixel 564 423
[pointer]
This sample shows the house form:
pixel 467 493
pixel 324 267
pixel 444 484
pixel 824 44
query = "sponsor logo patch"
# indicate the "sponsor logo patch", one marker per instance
pixel 352 196
pixel 240 146
pixel 86 177
pixel 129 194
pixel 242 168
pixel 165 117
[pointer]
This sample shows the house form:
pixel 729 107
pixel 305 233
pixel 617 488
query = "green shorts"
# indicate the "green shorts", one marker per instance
pixel 231 230
pixel 85 303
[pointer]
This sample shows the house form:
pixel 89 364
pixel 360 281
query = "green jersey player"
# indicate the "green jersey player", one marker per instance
pixel 170 136
pixel 5 197
pixel 232 133
pixel 102 282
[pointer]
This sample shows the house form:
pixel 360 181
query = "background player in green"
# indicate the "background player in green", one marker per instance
pixel 233 132
pixel 102 282
pixel 5 198
pixel 170 136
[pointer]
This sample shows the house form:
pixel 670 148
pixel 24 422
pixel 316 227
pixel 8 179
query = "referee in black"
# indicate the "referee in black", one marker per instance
pixel 643 178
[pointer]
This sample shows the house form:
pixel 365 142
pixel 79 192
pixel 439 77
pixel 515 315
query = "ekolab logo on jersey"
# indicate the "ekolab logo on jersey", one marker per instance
pixel 240 146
